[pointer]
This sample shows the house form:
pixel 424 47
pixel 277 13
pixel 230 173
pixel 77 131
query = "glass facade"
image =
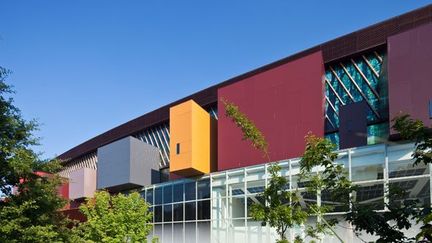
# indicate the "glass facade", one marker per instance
pixel 215 207
pixel 362 78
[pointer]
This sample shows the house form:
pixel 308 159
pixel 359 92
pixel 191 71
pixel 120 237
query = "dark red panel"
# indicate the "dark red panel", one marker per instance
pixel 410 72
pixel 285 102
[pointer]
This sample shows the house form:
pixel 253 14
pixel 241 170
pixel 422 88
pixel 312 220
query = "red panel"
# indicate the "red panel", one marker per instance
pixel 410 73
pixel 285 103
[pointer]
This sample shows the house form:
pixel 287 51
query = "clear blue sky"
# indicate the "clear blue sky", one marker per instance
pixel 83 67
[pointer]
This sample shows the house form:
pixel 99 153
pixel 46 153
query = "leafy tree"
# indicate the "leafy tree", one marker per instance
pixel 117 218
pixel 320 174
pixel 282 209
pixel 31 214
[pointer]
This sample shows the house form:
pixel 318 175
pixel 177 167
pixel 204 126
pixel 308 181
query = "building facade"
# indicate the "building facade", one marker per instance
pixel 200 177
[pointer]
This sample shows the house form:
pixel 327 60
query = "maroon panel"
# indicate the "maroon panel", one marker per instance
pixel 410 73
pixel 285 103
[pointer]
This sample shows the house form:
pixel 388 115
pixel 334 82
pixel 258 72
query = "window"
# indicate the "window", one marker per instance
pixel 430 108
pixel 178 148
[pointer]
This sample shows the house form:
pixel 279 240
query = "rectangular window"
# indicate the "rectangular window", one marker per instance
pixel 190 213
pixel 177 148
pixel 430 109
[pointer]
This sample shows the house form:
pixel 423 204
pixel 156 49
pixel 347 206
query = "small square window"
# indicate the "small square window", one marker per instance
pixel 178 148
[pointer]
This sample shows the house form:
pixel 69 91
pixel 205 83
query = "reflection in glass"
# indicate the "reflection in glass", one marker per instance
pixel 204 209
pixel 178 212
pixel 190 211
pixel 178 192
pixel 149 196
pixel 367 166
pixel 190 193
pixel 410 189
pixel 167 190
pixel 158 195
pixel 167 213
pixel 158 214
pixel 371 194
pixel 204 189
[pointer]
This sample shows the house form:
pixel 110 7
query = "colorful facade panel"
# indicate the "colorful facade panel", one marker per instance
pixel 285 103
pixel 410 73
pixel 192 142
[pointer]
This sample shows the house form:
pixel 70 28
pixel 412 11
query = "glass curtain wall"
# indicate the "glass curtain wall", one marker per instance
pixel 215 208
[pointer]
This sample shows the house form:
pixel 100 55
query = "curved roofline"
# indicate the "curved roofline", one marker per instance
pixel 373 36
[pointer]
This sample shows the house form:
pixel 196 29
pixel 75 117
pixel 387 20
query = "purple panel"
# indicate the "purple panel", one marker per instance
pixel 410 73
pixel 353 125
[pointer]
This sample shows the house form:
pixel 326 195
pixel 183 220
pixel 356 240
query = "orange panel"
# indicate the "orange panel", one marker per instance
pixel 192 140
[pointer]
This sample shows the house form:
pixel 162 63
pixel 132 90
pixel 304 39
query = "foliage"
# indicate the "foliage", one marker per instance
pixel 320 174
pixel 282 209
pixel 117 218
pixel 415 130
pixel 32 214
pixel 387 225
pixel 247 126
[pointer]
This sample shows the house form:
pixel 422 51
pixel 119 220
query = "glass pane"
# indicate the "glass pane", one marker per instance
pixel 203 231
pixel 367 166
pixel 167 233
pixel 190 191
pixel 158 195
pixel 167 194
pixel 178 212
pixel 371 194
pixel 218 208
pixel 178 232
pixel 190 232
pixel 158 231
pixel 190 211
pixel 178 192
pixel 237 207
pixel 158 213
pixel 411 189
pixel 405 168
pixel 204 209
pixel 204 189
pixel 149 196
pixel 167 213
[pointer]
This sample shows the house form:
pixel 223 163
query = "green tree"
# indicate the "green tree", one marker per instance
pixel 31 214
pixel 321 174
pixel 115 218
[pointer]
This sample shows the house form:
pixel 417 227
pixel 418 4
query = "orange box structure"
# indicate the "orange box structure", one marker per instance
pixel 193 140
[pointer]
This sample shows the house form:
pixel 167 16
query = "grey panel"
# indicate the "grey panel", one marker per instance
pixel 125 164
pixel 353 125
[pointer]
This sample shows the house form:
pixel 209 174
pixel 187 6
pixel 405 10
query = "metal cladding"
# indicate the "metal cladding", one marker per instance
pixel 193 140
pixel 125 164
pixel 285 103
pixel 82 183
pixel 410 73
